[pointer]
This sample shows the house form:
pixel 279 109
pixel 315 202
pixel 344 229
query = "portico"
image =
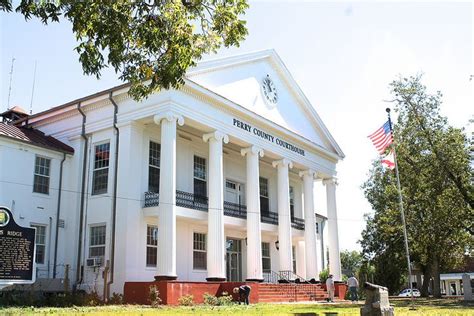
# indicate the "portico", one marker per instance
pixel 293 233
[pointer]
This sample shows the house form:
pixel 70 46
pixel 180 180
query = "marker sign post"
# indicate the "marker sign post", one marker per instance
pixel 17 251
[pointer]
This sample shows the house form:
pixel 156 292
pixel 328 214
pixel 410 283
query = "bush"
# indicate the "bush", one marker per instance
pixel 225 299
pixel 324 275
pixel 210 299
pixel 154 296
pixel 116 299
pixel 186 300
pixel 92 299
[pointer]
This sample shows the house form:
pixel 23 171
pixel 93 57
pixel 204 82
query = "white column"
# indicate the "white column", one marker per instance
pixel 166 263
pixel 310 225
pixel 254 236
pixel 215 222
pixel 300 261
pixel 334 256
pixel 284 219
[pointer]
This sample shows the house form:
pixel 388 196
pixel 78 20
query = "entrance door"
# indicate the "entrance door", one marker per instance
pixel 234 192
pixel 234 259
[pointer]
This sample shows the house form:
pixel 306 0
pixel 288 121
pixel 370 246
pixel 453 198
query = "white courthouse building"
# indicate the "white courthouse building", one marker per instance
pixel 214 181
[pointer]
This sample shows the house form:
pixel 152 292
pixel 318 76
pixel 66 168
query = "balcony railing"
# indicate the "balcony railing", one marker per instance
pixel 235 210
pixel 198 202
pixel 269 218
pixel 297 223
pixel 190 200
pixel 151 199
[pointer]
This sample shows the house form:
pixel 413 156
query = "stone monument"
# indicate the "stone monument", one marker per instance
pixel 376 302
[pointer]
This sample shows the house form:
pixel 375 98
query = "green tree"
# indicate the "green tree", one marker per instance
pixel 151 43
pixel 351 261
pixel 433 161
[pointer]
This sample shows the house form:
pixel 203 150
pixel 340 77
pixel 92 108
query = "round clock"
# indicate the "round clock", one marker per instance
pixel 269 91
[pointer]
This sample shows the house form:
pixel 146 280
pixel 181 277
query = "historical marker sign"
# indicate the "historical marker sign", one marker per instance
pixel 17 250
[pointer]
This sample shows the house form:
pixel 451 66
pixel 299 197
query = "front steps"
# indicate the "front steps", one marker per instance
pixel 274 293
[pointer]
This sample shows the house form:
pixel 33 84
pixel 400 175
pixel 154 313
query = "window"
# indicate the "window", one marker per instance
pixel 200 184
pixel 97 241
pixel 199 252
pixel 264 205
pixel 266 262
pixel 40 242
pixel 151 245
pixel 41 179
pixel 101 169
pixel 293 252
pixel 154 167
pixel 292 202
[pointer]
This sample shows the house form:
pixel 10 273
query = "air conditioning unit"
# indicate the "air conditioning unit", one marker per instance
pixel 94 262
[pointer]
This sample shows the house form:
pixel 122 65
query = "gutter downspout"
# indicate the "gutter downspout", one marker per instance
pixel 57 216
pixel 79 272
pixel 114 201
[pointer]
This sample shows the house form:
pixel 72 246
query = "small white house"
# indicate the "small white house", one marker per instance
pixel 214 181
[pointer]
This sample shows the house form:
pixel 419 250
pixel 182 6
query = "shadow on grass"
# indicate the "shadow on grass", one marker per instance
pixel 433 302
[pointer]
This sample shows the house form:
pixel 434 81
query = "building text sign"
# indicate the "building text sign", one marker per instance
pixel 17 250
pixel 268 137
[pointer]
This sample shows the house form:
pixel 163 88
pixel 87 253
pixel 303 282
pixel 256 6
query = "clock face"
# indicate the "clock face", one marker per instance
pixel 269 91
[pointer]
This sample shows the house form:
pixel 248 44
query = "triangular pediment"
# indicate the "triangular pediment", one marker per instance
pixel 241 80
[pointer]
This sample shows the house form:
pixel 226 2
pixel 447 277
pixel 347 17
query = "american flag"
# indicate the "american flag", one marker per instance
pixel 382 138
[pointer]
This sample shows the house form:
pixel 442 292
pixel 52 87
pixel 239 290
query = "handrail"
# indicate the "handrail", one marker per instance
pixel 270 276
pixel 297 223
pixel 235 210
pixel 269 218
pixel 199 202
pixel 191 200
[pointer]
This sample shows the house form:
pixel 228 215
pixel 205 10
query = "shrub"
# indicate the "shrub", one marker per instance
pixel 225 299
pixel 324 275
pixel 154 296
pixel 210 299
pixel 186 300
pixel 92 299
pixel 116 299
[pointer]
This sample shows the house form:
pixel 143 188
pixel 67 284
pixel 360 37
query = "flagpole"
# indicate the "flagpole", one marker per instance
pixel 402 212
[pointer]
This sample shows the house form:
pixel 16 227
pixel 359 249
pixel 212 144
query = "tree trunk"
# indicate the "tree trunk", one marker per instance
pixel 436 278
pixel 426 282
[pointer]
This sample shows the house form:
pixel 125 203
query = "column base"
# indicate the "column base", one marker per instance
pixel 165 278
pixel 254 280
pixel 215 279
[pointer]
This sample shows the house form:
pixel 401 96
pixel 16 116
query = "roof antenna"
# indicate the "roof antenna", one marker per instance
pixel 33 90
pixel 10 87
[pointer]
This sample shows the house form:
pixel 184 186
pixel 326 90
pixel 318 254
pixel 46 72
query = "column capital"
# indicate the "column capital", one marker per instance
pixel 284 162
pixel 217 136
pixel 169 116
pixel 332 180
pixel 309 172
pixel 254 150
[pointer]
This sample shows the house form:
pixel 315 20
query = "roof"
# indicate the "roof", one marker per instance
pixel 279 65
pixel 33 137
pixel 16 109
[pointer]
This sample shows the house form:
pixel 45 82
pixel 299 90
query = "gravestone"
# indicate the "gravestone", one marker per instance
pixel 467 287
pixel 376 302
pixel 17 249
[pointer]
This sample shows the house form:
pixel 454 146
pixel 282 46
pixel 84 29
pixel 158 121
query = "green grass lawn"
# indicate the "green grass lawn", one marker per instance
pixel 423 307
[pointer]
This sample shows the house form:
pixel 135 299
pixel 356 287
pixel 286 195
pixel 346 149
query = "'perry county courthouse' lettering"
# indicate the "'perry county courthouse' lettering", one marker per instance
pixel 268 137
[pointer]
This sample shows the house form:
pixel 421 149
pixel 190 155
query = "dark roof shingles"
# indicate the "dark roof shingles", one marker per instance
pixel 35 137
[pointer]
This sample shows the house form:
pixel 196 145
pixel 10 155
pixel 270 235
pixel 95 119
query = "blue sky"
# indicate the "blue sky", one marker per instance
pixel 343 55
